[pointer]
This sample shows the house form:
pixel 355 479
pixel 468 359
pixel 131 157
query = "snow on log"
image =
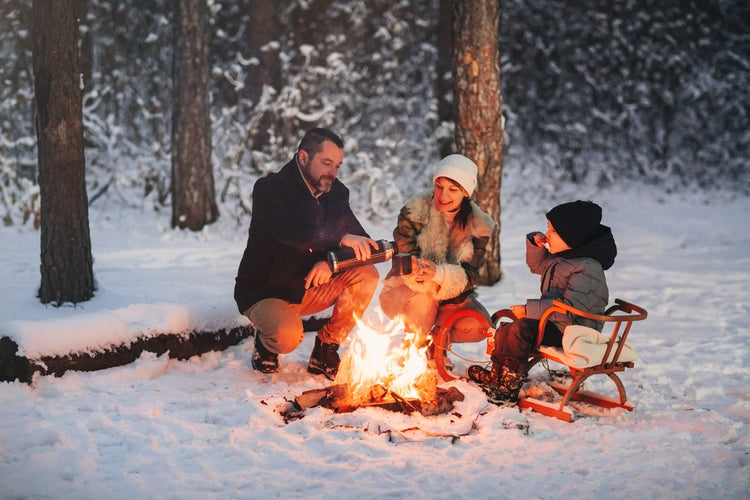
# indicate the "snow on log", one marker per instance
pixel 103 339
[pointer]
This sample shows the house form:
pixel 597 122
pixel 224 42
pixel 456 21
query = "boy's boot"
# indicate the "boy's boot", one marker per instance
pixel 324 359
pixel 264 360
pixel 483 376
pixel 507 389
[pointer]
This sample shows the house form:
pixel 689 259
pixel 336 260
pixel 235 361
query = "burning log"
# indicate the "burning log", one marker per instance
pixel 338 398
pixel 320 397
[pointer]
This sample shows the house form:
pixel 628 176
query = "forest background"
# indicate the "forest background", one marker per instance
pixel 597 91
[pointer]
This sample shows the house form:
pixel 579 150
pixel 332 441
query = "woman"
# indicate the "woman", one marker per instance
pixel 447 235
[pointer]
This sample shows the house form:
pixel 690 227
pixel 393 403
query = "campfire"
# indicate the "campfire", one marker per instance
pixel 383 367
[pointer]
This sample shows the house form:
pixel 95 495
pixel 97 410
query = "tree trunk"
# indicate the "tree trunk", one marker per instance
pixel 444 70
pixel 479 123
pixel 193 196
pixel 265 28
pixel 66 263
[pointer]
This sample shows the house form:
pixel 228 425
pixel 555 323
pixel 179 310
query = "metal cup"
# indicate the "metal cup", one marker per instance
pixel 401 264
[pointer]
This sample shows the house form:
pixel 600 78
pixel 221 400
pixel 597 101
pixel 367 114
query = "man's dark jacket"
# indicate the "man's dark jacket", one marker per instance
pixel 289 232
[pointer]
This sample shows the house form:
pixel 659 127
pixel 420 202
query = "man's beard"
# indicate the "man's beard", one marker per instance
pixel 324 187
pixel 319 184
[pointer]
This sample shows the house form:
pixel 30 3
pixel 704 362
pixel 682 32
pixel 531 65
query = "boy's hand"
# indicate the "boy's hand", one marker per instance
pixel 540 239
pixel 519 311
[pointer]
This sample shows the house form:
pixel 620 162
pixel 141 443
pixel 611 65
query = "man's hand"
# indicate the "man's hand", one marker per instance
pixel 320 274
pixel 361 245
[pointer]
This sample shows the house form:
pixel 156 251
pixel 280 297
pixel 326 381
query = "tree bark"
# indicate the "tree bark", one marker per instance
pixel 478 104
pixel 66 263
pixel 193 196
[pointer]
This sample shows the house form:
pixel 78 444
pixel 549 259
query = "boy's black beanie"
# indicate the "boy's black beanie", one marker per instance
pixel 576 222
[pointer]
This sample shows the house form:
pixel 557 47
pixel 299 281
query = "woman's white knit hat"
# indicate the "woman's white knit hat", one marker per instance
pixel 460 169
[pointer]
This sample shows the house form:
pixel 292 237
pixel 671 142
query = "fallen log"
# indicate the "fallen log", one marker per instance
pixel 179 346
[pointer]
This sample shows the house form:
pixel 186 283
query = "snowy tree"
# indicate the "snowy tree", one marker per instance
pixel 66 263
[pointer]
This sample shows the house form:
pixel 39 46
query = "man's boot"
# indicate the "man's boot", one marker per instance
pixel 264 360
pixel 324 359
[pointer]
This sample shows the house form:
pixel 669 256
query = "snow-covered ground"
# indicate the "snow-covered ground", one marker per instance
pixel 210 427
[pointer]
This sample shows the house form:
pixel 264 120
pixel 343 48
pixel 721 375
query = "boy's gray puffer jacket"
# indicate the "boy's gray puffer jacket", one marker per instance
pixel 575 277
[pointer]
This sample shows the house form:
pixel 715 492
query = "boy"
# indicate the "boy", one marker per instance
pixel 571 259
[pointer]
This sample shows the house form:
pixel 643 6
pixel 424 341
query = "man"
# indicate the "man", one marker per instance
pixel 299 214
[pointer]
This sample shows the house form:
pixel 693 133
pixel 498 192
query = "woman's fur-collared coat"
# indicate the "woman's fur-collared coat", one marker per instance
pixel 423 231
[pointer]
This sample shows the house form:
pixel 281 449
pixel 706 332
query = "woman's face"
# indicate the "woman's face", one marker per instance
pixel 556 243
pixel 448 195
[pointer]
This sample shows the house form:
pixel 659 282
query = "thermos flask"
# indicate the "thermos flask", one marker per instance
pixel 344 258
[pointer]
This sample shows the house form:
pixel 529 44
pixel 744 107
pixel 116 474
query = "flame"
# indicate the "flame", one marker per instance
pixel 384 362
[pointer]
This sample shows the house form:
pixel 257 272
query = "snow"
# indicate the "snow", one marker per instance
pixel 83 332
pixel 210 426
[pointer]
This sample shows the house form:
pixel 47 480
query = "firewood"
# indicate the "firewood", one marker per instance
pixel 321 397
pixel 337 398
pixel 310 398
